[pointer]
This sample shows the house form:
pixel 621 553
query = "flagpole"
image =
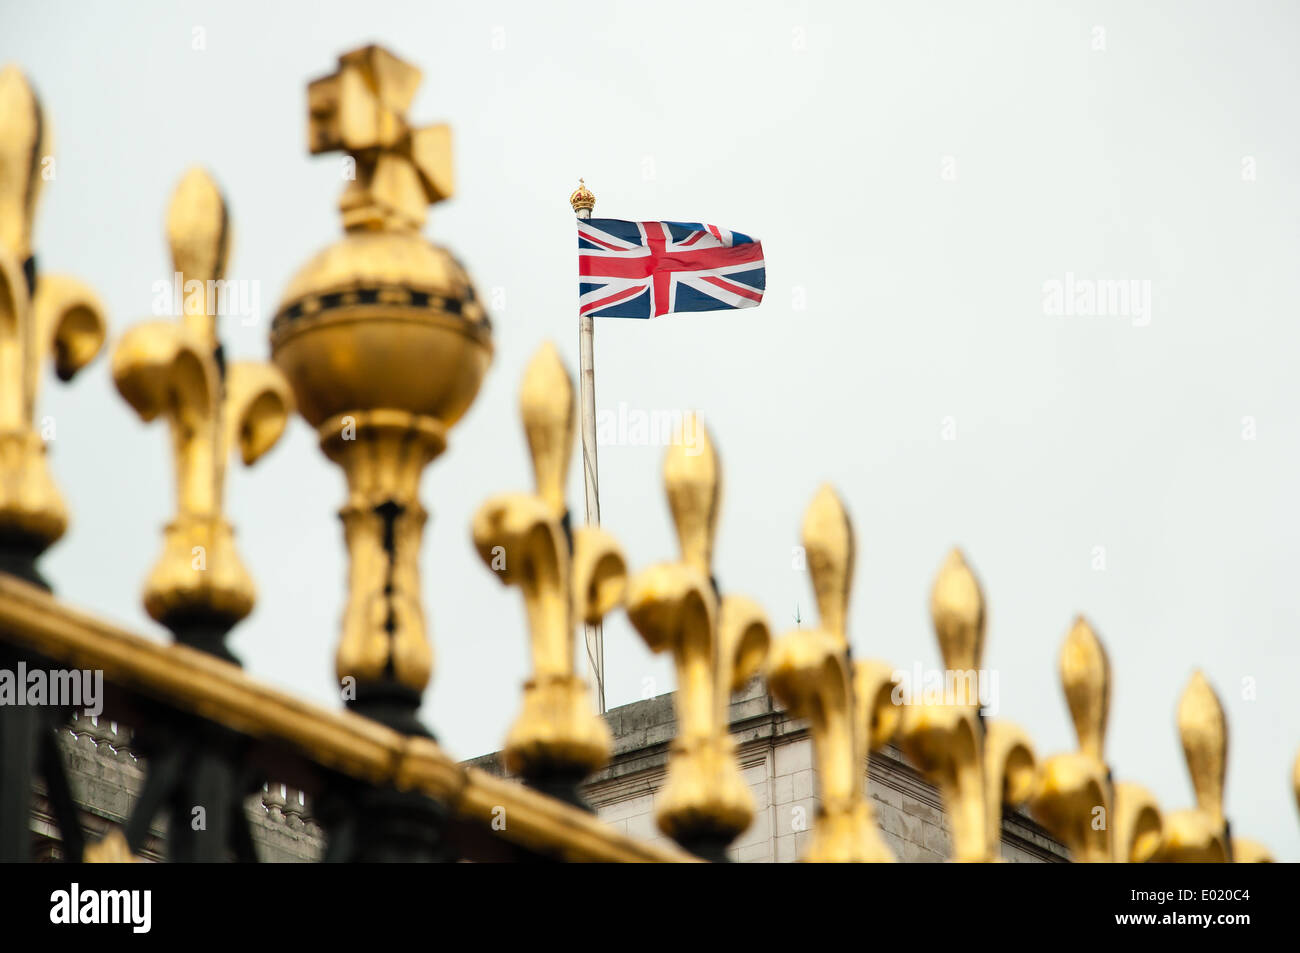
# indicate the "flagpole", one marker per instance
pixel 583 202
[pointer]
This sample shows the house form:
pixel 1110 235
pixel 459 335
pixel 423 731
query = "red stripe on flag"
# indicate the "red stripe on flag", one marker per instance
pixel 735 288
pixel 615 298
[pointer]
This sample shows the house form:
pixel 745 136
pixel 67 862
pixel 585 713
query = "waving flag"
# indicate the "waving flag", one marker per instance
pixel 645 269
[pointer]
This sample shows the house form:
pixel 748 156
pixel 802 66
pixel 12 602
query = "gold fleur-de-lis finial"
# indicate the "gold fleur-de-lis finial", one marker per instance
pixel 395 171
pixel 1097 820
pixel 558 738
pixel 849 705
pixel 1202 834
pixel 716 645
pixel 199 587
pixel 977 766
pixel 41 317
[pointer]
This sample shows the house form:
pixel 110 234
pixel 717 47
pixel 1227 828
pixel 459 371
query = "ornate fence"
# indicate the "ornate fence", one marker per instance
pixel 380 343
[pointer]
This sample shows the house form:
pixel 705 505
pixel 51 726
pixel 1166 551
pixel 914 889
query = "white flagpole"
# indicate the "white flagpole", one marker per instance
pixel 583 202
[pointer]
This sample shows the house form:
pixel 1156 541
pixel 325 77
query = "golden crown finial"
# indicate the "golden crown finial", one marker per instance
pixel 849 706
pixel 199 587
pixel 557 739
pixel 396 171
pixel 41 317
pixel 715 647
pixel 582 200
pixel 1201 834
pixel 1098 821
pixel 978 766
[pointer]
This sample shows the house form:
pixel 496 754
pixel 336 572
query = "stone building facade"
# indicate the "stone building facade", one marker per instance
pixel 106 777
pixel 775 753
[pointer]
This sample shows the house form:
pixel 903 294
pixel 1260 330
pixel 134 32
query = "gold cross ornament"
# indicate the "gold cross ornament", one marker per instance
pixel 394 172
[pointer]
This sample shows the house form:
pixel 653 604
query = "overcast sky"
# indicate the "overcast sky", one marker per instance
pixel 919 174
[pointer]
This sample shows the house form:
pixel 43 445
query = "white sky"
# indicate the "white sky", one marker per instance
pixel 822 129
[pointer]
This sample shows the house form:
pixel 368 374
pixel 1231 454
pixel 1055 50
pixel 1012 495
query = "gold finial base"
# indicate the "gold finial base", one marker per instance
pixel 31 509
pixel 199 574
pixel 383 453
pixel 847 834
pixel 557 732
pixel 705 797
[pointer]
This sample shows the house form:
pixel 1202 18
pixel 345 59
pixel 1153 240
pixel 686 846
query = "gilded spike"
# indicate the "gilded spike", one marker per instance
pixel 828 547
pixel 849 707
pixel 957 608
pixel 694 483
pixel 1085 675
pixel 1075 799
pixel 1204 732
pixel 198 233
pixel 558 739
pixel 546 405
pixel 199 588
pixel 716 644
pixel 1201 834
pixel 978 767
pixel 42 317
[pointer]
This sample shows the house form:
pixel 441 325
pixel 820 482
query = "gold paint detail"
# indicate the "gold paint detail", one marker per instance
pixel 521 537
pixel 61 321
pixel 979 767
pixel 849 706
pixel 716 644
pixel 169 369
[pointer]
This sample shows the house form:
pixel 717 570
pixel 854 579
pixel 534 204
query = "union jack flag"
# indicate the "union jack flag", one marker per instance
pixel 645 269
